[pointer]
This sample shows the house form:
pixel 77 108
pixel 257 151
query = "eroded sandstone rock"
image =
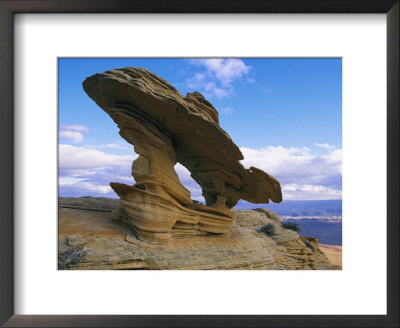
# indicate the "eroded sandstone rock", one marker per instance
pixel 76 240
pixel 113 246
pixel 166 128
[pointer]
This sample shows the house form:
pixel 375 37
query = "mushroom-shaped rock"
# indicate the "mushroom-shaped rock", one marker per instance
pixel 166 128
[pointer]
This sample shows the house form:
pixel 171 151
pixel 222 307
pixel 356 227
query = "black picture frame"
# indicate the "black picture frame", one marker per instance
pixel 7 129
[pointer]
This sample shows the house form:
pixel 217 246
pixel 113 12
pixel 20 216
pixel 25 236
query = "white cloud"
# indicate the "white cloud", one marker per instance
pixel 74 127
pixel 110 146
pixel 292 163
pixel 76 172
pixel 69 181
pixel 212 88
pixel 72 132
pixel 226 70
pixel 83 184
pixel 295 191
pixel 334 156
pixel 325 145
pixel 196 81
pixel 87 187
pixel 228 110
pixel 102 189
pixel 72 157
pixel 72 136
pixel 183 172
pixel 87 171
pixel 218 76
pixel 188 182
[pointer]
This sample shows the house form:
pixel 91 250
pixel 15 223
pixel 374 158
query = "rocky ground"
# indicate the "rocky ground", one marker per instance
pixel 89 239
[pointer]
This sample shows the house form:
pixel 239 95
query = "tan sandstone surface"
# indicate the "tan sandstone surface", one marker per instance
pixel 89 239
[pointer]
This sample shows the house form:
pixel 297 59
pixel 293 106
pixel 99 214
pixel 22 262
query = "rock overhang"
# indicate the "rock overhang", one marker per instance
pixel 166 128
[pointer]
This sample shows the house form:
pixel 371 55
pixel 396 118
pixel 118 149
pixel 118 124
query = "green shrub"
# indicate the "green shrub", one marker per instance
pixel 268 229
pixel 291 225
pixel 308 244
pixel 71 257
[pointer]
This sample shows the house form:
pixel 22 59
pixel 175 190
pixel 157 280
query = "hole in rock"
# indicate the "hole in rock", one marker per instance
pixel 189 183
pixel 140 187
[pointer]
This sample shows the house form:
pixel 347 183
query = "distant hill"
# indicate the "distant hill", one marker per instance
pixel 297 208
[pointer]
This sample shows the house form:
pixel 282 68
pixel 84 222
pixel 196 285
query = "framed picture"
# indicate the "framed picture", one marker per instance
pixel 47 43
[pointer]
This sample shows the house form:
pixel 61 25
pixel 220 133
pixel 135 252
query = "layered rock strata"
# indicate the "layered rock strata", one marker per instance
pixel 99 243
pixel 166 128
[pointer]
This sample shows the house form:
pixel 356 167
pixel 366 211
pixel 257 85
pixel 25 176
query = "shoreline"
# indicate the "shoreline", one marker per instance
pixel 333 253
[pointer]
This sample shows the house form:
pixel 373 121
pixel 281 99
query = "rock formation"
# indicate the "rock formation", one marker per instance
pixel 99 243
pixel 166 128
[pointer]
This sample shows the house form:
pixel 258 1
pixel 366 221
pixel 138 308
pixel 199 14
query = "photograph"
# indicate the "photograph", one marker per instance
pixel 213 147
pixel 199 163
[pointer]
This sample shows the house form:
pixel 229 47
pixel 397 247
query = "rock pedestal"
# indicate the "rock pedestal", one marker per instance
pixel 166 128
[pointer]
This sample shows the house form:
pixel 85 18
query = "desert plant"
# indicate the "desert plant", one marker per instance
pixel 308 244
pixel 291 225
pixel 71 257
pixel 268 229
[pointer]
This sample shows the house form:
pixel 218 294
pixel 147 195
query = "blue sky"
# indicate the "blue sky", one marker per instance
pixel 284 114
